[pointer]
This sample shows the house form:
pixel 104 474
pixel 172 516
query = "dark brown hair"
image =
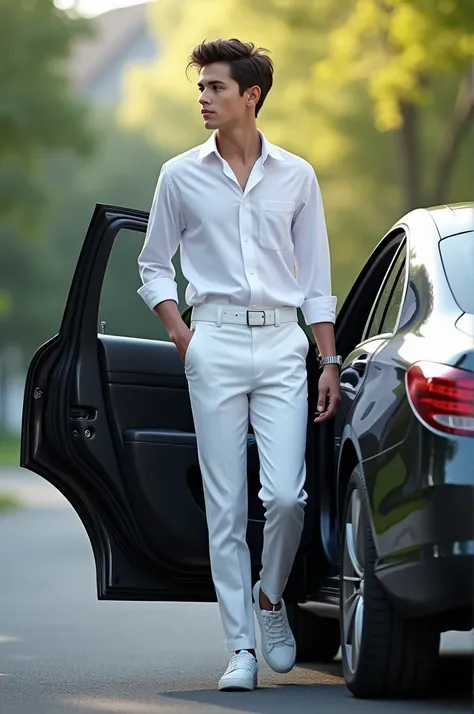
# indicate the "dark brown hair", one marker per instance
pixel 249 65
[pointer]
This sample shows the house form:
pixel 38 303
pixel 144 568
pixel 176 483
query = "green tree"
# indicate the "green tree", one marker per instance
pixel 38 110
pixel 399 50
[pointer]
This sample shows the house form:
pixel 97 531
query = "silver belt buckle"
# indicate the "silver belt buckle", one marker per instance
pixel 261 321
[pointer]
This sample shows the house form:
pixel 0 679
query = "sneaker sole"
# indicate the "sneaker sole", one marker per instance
pixel 237 686
pixel 279 670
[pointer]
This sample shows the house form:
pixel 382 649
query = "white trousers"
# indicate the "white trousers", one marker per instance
pixel 236 372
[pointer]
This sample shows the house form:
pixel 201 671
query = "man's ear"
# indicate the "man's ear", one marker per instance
pixel 253 96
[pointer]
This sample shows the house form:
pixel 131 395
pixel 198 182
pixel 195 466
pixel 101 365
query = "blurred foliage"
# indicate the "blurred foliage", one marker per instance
pixel 38 110
pixel 396 47
pixel 8 502
pixel 399 49
pixel 123 170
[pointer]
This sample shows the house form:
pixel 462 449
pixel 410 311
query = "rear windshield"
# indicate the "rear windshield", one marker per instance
pixel 457 254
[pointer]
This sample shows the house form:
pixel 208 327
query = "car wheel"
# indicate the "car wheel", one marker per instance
pixel 383 654
pixel 317 638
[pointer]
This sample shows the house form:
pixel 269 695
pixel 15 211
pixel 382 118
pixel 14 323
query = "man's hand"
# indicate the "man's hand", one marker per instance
pixel 182 338
pixel 329 395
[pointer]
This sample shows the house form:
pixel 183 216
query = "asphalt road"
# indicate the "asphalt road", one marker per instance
pixel 62 651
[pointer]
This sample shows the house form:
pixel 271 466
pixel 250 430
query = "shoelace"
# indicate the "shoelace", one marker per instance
pixel 276 626
pixel 241 661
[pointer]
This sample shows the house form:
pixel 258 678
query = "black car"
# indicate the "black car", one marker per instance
pixel 385 562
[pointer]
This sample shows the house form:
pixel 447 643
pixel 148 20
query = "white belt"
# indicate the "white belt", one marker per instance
pixel 242 316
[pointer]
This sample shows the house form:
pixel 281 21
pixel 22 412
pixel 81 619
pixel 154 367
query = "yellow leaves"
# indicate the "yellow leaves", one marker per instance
pixel 394 46
pixel 407 27
pixel 466 46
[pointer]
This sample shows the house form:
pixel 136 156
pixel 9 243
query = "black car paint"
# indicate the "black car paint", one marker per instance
pixel 91 427
pixel 419 483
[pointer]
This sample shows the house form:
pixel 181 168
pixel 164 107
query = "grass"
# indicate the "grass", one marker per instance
pixel 9 450
pixel 8 502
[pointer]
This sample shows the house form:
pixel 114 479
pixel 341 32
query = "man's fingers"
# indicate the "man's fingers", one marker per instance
pixel 329 413
pixel 322 398
pixel 331 410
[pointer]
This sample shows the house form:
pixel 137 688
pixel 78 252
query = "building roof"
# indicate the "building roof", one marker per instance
pixel 113 31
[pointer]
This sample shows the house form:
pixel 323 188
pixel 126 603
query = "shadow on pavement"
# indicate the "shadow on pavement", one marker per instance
pixel 453 692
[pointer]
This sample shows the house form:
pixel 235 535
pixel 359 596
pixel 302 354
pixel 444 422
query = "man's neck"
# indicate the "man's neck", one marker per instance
pixel 242 145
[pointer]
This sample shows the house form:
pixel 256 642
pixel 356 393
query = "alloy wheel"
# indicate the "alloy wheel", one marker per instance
pixel 353 582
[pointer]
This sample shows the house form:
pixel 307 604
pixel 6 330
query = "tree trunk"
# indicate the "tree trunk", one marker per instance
pixel 462 118
pixel 409 154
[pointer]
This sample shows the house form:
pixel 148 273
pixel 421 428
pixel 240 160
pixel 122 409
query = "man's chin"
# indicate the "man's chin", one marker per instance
pixel 211 122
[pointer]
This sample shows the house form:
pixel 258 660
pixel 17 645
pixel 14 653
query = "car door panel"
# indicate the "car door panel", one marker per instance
pixel 72 438
pixel 359 388
pixel 108 421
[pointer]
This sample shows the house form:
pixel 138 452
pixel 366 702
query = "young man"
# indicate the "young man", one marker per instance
pixel 248 219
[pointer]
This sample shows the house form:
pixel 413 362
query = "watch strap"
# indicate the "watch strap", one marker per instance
pixel 332 359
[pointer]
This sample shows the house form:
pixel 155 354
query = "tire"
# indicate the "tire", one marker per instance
pixel 392 656
pixel 317 638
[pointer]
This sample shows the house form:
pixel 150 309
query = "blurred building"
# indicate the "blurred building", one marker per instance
pixel 121 37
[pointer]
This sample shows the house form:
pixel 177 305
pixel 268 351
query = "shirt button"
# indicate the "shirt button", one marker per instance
pixel 246 239
pixel 250 272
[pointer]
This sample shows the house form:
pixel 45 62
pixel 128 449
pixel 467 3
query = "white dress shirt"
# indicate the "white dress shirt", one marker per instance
pixel 263 247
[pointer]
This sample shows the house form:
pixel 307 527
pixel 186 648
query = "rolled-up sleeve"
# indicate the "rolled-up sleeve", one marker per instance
pixel 162 238
pixel 312 258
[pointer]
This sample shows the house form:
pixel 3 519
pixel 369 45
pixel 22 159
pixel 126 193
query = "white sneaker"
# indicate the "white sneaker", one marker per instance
pixel 278 643
pixel 241 674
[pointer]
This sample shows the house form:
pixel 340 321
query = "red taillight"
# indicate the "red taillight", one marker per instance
pixel 442 396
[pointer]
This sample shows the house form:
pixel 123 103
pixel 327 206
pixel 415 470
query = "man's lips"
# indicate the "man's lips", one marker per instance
pixel 206 111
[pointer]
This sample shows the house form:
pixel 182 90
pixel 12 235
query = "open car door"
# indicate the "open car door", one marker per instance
pixel 107 420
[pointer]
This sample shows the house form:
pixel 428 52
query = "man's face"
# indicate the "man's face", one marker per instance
pixel 221 103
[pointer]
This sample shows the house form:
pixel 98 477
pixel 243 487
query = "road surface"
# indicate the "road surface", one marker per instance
pixel 62 651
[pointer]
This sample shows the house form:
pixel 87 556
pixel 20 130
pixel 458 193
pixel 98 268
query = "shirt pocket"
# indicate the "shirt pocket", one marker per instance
pixel 274 225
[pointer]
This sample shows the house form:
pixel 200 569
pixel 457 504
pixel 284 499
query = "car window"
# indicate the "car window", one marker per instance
pixel 385 315
pixel 121 309
pixel 457 254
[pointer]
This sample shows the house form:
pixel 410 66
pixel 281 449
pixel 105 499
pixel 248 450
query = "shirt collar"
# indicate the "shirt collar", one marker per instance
pixel 210 147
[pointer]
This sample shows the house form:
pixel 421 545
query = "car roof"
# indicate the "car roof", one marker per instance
pixel 438 222
pixel 453 218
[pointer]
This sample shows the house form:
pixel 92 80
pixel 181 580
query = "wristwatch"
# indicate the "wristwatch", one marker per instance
pixel 333 359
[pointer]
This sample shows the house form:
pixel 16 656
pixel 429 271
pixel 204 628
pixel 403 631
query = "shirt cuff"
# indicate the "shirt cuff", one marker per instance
pixel 319 309
pixel 157 290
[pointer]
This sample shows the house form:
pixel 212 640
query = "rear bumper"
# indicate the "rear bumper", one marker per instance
pixel 430 580
pixel 426 560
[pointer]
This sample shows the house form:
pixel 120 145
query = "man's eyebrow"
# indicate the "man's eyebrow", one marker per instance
pixel 211 81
